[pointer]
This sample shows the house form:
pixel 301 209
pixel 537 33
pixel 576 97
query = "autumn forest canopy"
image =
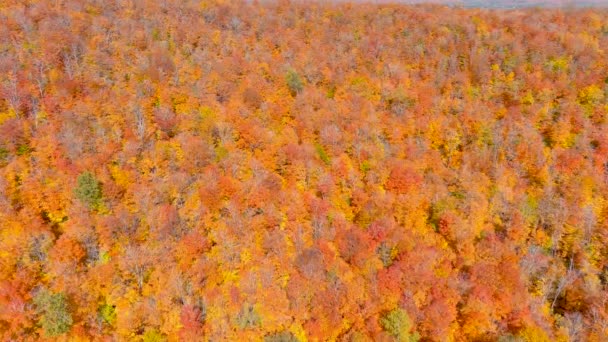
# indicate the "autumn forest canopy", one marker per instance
pixel 184 170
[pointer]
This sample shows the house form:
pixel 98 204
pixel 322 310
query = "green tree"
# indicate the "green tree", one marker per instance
pixel 153 335
pixel 294 82
pixel 322 154
pixel 283 336
pixel 88 190
pixel 55 317
pixel 107 313
pixel 248 318
pixel 397 323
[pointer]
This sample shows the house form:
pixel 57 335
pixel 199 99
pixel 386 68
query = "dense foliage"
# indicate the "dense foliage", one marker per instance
pixel 274 171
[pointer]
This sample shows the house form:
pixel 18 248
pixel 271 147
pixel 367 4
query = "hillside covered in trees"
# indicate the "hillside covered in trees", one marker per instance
pixel 288 171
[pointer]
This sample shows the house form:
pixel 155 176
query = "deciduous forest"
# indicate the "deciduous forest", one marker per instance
pixel 185 170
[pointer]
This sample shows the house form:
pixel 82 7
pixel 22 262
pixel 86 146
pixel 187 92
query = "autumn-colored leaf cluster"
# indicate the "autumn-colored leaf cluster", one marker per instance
pixel 276 171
